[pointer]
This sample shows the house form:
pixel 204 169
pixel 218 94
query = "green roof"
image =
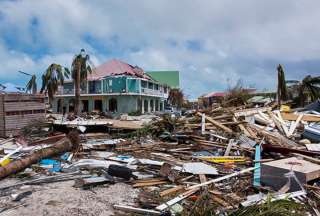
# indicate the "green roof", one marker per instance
pixel 170 78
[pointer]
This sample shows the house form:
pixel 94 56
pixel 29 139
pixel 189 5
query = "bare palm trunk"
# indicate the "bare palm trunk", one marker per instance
pixel 60 147
pixel 77 92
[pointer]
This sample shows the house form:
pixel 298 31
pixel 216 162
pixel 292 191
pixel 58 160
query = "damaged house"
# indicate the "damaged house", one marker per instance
pixel 114 87
pixel 17 110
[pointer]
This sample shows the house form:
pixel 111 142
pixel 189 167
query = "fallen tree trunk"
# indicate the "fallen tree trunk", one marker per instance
pixel 60 147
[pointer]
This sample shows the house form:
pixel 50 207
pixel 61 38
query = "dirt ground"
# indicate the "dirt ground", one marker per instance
pixel 62 198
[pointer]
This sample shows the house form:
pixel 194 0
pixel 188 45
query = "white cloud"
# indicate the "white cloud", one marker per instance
pixel 239 39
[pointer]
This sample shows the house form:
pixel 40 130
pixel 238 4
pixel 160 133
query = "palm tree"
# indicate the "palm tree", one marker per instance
pixel 52 78
pixel 282 88
pixel 80 69
pixel 32 83
pixel 175 97
pixel 308 88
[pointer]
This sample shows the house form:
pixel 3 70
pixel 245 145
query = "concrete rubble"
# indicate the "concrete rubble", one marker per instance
pixel 235 160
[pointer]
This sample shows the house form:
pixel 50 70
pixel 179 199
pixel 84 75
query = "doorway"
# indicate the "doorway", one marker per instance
pixel 98 105
pixel 71 105
pixel 59 105
pixel 145 106
pixel 85 105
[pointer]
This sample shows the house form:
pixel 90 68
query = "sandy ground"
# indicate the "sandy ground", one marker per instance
pixel 63 199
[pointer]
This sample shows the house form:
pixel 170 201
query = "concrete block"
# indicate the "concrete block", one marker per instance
pixel 272 173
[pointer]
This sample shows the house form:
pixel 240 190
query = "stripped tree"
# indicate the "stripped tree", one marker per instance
pixel 80 68
pixel 52 78
pixel 307 89
pixel 32 83
pixel 282 88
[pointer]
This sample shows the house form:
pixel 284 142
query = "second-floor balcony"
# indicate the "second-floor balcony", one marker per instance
pixel 151 92
pixel 113 88
pixel 70 91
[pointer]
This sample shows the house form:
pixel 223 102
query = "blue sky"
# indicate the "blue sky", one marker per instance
pixel 212 43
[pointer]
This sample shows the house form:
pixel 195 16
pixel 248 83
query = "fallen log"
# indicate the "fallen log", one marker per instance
pixel 62 146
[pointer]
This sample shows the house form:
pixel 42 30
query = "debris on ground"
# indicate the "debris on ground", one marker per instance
pixel 234 160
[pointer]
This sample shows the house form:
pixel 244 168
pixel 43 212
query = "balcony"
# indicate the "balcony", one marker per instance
pixel 62 91
pixel 152 92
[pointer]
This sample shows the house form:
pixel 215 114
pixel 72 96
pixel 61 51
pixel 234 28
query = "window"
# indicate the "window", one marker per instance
pixel 10 113
pixel 110 82
pixel 143 84
pixel 24 112
pixel 38 111
pixel 150 85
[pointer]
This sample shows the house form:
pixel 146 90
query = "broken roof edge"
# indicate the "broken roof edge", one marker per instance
pixel 117 67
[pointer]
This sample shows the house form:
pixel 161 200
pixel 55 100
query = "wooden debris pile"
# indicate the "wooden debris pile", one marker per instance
pixel 233 160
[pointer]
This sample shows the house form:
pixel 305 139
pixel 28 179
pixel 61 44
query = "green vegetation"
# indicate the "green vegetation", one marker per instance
pixel 52 78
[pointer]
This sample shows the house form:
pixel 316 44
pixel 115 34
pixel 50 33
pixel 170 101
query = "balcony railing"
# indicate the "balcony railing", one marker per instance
pixel 152 92
pixel 146 91
pixel 70 91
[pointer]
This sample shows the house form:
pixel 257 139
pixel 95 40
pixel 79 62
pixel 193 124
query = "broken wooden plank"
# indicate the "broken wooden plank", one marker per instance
pixel 176 199
pixel 202 178
pixel 222 178
pixel 248 112
pixel 306 117
pixel 203 123
pixel 283 124
pixel 276 122
pixel 242 127
pixel 171 190
pixel 216 123
pixel 143 184
pixel 295 124
pixel 231 143
pixel 136 210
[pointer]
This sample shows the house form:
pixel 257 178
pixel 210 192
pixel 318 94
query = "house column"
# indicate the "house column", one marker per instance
pixel 81 106
pixel 104 104
pixel 87 88
pixel 90 104
pixel 149 108
pixel 142 105
pixel 154 106
pixel 159 105
pixel 162 104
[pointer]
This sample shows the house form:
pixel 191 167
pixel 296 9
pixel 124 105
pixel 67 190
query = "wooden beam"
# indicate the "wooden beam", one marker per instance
pixel 171 190
pixel 222 178
pixel 176 199
pixel 216 123
pixel 295 124
pixel 306 117
pixel 136 210
pixel 143 184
